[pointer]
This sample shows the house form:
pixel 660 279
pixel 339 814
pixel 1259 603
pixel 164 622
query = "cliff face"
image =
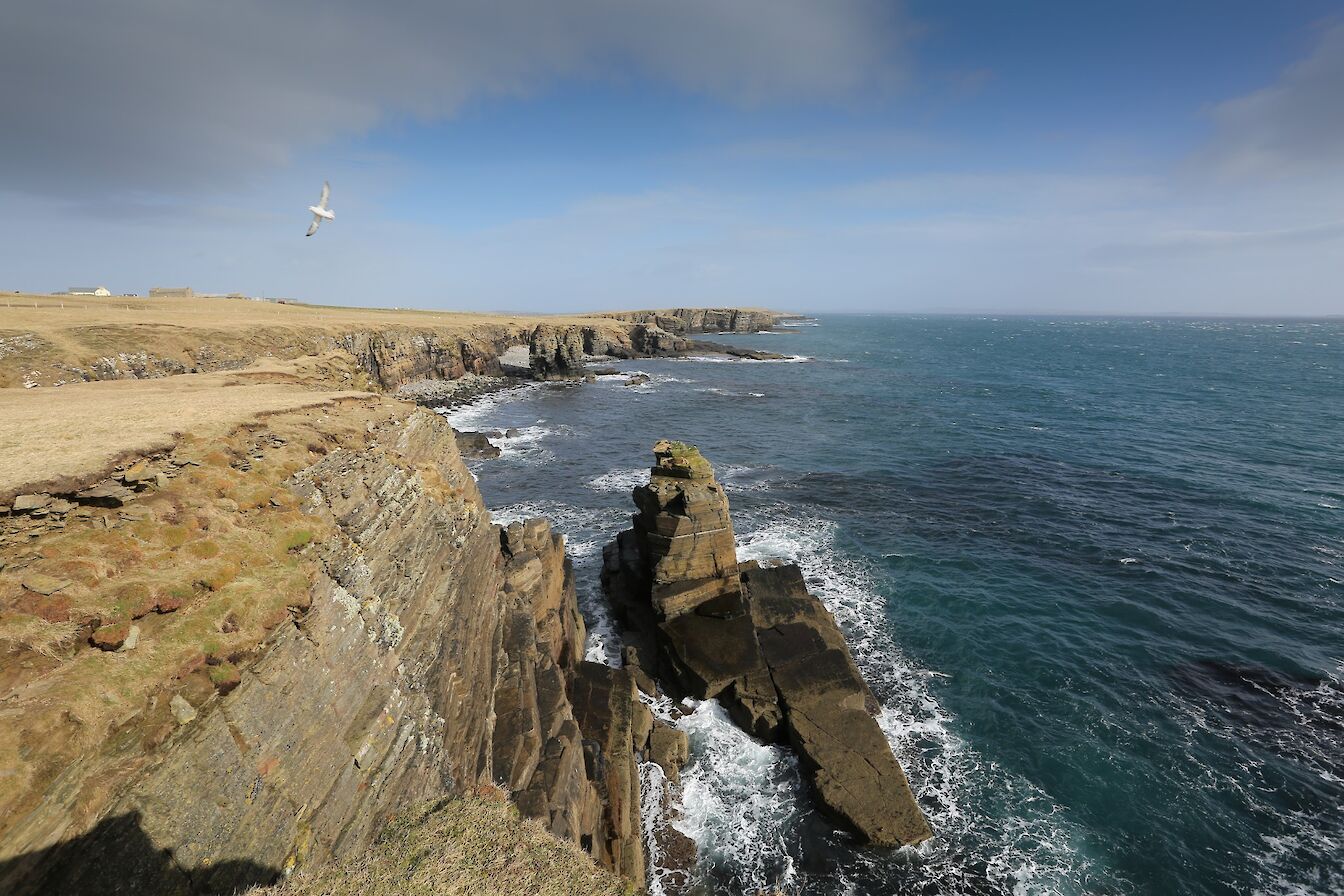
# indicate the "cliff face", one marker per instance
pixel 396 357
pixel 396 648
pixel 703 320
pixel 48 341
pixel 560 351
pixel 755 639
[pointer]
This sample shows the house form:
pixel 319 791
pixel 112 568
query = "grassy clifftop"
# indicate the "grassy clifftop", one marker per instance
pixel 49 340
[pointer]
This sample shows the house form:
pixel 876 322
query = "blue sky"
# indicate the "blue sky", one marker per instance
pixel 531 155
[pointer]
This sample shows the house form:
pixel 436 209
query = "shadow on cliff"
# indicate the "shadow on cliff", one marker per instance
pixel 117 857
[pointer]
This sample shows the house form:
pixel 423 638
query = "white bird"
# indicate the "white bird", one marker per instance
pixel 320 211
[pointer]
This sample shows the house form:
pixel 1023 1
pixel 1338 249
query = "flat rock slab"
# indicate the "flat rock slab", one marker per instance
pixel 827 712
pixel 44 584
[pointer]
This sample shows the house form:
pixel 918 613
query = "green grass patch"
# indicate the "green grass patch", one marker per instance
pixel 296 540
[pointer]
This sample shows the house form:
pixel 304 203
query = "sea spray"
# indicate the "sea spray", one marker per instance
pixel 740 803
pixel 1032 848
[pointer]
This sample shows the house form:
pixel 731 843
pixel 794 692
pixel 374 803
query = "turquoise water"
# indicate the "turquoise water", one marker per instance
pixel 1093 568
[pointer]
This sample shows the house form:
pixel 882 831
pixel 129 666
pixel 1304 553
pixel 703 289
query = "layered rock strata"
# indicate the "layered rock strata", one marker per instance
pixel 423 652
pixel 756 640
pixel 704 320
pixel 391 357
pixel 561 352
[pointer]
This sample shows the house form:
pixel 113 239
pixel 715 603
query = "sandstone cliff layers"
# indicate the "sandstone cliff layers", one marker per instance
pixel 754 638
pixel 46 343
pixel 346 635
pixel 704 320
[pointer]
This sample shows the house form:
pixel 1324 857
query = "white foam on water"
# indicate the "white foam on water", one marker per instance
pixel 652 780
pixel 526 442
pixel 586 531
pixel 1033 848
pixel 619 480
pixel 729 359
pixel 604 642
pixel 475 415
pixel 516 513
pixel 716 390
pixel 482 415
pixel 1308 839
pixel 1313 839
pixel 582 550
pixel 739 801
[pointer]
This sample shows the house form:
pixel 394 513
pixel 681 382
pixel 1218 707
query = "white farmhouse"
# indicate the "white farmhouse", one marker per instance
pixel 89 291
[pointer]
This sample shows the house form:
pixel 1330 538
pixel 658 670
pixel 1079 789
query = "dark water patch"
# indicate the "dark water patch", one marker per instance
pixel 1094 570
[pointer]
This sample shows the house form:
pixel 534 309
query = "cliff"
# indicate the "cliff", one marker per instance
pixel 250 614
pixel 239 656
pixel 704 320
pixel 53 340
pixel 755 639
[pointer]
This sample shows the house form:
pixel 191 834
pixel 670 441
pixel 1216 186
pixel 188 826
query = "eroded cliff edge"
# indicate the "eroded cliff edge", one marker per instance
pixel 239 654
pixel 242 656
pixel 705 320
pixel 53 340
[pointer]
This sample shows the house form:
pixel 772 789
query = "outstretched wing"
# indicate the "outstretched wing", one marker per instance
pixel 326 194
pixel 312 228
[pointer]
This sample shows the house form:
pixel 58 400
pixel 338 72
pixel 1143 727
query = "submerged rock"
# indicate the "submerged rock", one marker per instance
pixel 756 640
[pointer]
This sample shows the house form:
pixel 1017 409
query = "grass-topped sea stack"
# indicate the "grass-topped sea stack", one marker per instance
pixel 755 639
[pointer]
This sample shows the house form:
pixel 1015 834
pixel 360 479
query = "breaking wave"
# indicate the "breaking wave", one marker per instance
pixel 1030 845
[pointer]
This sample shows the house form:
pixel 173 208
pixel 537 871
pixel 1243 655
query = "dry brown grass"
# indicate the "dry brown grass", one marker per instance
pixel 36 634
pixel 468 847
pixel 38 331
pixel 223 548
pixel 56 313
pixel 77 431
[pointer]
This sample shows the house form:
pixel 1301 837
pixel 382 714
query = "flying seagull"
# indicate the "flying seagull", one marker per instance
pixel 320 211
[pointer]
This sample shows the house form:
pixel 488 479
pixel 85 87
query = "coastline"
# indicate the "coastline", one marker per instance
pixel 881 533
pixel 130 489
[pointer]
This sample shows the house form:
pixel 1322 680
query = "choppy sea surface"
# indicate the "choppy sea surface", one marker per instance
pixel 1093 569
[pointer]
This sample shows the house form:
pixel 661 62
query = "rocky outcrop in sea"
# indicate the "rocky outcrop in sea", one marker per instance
pixel 754 638
pixel 240 655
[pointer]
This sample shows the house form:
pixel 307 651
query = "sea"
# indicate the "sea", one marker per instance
pixel 1092 568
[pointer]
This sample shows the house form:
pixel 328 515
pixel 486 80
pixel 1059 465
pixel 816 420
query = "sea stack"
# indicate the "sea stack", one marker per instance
pixel 754 638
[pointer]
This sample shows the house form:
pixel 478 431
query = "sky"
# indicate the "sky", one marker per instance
pixel 811 155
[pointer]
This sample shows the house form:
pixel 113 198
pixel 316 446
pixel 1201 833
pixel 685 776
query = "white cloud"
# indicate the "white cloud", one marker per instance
pixel 1198 242
pixel 1292 127
pixel 154 95
pixel 967 191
